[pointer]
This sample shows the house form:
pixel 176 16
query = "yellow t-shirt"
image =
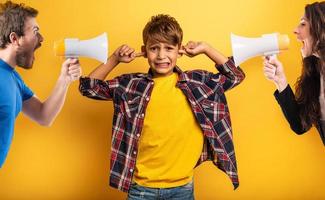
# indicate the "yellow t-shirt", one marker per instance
pixel 171 141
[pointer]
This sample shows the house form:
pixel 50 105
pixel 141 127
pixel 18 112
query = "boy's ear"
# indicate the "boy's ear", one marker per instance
pixel 143 50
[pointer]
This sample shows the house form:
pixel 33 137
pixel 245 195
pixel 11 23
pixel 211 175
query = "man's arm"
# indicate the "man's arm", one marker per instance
pixel 45 112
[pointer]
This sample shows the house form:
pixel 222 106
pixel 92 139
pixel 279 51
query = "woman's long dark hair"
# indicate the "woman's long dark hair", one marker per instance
pixel 308 84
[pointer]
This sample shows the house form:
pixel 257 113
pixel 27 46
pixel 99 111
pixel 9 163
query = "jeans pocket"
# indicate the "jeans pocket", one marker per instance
pixel 185 192
pixel 138 192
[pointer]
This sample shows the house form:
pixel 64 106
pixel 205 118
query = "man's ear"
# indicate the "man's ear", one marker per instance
pixel 14 38
pixel 143 50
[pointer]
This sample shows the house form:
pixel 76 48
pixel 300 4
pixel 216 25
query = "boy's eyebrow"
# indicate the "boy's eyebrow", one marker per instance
pixel 158 44
pixel 153 44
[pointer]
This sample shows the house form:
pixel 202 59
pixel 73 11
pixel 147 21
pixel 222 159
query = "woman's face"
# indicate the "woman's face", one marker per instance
pixel 303 34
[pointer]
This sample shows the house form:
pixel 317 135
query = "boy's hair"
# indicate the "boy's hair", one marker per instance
pixel 12 19
pixel 163 28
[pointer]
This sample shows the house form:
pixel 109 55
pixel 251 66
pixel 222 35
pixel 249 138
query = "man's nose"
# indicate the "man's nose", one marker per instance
pixel 40 38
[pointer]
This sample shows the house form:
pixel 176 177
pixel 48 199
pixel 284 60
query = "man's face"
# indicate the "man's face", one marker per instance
pixel 162 57
pixel 28 44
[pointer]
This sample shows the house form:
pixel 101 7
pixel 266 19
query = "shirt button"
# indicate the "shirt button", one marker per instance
pixel 129 101
pixel 142 115
pixel 131 170
pixel 147 98
pixel 134 152
pixel 193 102
pixel 211 104
pixel 138 135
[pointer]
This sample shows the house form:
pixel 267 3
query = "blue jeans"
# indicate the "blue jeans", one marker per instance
pixel 138 192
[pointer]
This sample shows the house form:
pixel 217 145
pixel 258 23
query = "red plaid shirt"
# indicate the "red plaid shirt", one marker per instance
pixel 131 94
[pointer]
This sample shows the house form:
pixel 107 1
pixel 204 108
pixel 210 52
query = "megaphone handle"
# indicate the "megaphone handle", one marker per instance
pixel 268 57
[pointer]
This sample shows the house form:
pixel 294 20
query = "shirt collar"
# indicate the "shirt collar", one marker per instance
pixel 181 78
pixel 5 65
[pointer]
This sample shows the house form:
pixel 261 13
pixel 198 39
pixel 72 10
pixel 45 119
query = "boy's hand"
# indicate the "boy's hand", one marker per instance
pixel 125 54
pixel 193 48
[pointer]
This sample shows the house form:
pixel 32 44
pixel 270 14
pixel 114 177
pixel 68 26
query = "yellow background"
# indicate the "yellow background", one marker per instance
pixel 70 160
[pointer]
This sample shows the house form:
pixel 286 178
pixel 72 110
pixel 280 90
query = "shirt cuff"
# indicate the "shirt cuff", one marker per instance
pixel 283 96
pixel 227 66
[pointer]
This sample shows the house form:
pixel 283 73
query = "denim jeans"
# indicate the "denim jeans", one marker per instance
pixel 138 192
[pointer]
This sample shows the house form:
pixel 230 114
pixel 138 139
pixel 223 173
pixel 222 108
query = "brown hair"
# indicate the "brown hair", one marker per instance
pixel 12 19
pixel 308 84
pixel 163 28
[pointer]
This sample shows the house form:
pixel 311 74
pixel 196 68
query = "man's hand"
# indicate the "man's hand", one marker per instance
pixel 70 70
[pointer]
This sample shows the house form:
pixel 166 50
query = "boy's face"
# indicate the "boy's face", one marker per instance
pixel 162 57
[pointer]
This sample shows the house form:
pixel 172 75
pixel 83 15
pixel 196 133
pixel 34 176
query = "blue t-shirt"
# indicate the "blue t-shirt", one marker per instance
pixel 13 92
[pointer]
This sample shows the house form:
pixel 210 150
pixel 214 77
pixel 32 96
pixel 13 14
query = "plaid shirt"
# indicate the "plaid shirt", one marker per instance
pixel 131 94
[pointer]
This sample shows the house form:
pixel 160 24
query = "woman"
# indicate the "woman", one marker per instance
pixel 307 106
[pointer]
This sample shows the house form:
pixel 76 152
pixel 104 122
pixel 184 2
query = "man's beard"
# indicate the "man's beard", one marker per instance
pixel 24 59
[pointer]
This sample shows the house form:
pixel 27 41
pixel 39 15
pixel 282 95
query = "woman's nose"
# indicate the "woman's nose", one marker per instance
pixel 295 31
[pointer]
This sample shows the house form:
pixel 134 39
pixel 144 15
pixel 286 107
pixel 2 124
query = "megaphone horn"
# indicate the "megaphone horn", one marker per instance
pixel 244 48
pixel 96 48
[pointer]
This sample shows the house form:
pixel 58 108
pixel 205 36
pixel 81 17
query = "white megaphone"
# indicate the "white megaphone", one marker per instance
pixel 96 48
pixel 244 48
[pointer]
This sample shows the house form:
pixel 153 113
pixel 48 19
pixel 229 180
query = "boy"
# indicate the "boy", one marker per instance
pixel 182 117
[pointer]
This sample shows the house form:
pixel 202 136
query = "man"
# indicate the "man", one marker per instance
pixel 19 38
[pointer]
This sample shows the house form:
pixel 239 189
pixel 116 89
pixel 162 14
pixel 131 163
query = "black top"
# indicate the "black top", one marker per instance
pixel 290 109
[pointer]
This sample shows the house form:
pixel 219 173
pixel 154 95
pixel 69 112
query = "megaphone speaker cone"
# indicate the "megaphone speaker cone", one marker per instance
pixel 96 48
pixel 59 48
pixel 283 41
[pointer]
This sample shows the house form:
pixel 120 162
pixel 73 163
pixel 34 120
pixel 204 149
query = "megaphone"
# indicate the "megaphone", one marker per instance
pixel 244 48
pixel 96 48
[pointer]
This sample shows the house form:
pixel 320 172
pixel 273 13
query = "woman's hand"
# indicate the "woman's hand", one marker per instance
pixel 273 71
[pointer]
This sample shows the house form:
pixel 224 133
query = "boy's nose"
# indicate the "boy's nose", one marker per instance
pixel 161 54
